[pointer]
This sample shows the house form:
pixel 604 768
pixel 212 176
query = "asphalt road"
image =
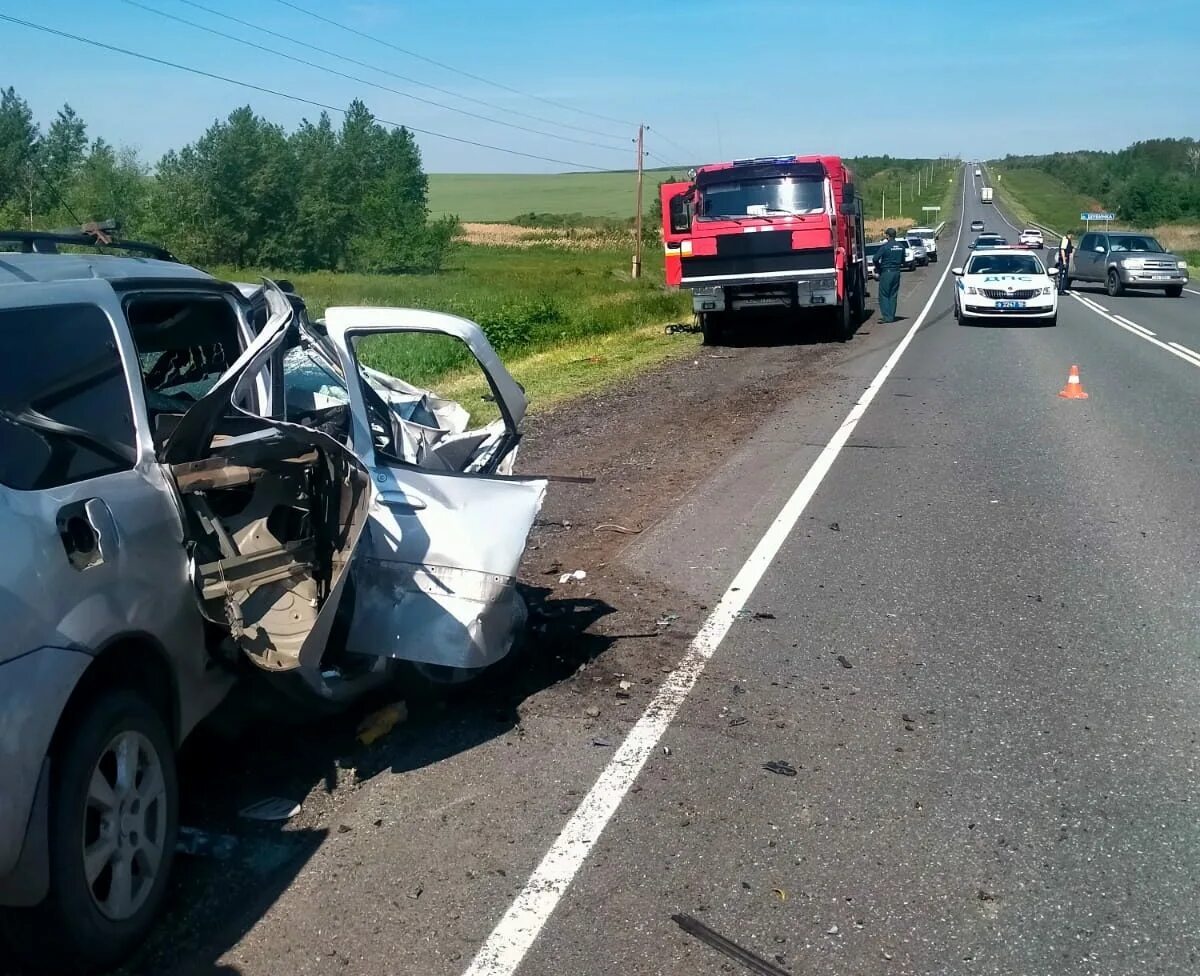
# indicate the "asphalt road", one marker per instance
pixel 978 649
pixel 962 609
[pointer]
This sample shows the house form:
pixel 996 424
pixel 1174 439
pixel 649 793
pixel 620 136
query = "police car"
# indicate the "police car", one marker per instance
pixel 1005 284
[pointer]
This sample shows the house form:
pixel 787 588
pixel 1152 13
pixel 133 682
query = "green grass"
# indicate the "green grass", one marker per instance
pixel 501 196
pixel 938 192
pixel 528 300
pixel 1033 195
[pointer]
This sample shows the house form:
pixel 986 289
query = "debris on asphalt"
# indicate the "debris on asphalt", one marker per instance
pixel 757 964
pixel 834 527
pixel 602 743
pixel 204 843
pixel 344 828
pixel 841 659
pixel 833 930
pixel 592 712
pixel 666 750
pixel 782 895
pixel 665 621
pixel 576 576
pixel 738 720
pixel 380 722
pixel 780 767
pixel 272 809
pixel 613 527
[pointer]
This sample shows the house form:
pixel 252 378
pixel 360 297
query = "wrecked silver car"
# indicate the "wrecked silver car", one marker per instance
pixel 183 518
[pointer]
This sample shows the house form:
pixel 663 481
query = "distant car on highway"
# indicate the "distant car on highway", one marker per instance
pixel 928 238
pixel 1031 237
pixel 1127 260
pixel 985 241
pixel 1005 284
pixel 920 254
pixel 976 225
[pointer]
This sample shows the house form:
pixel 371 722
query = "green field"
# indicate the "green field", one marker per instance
pixel 1033 195
pixel 528 300
pixel 492 197
pixel 502 196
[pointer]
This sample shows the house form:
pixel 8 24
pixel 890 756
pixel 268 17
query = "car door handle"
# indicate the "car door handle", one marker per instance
pixel 88 533
pixel 401 503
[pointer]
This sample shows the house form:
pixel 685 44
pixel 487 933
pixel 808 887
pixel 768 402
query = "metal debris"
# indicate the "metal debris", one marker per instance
pixel 757 964
pixel 272 809
pixel 780 767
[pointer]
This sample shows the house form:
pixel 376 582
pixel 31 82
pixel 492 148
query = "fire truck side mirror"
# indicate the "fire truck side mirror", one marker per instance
pixel 681 214
pixel 849 200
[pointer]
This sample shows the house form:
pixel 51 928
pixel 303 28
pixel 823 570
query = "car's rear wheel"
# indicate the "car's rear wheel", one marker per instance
pixel 1174 291
pixel 113 822
pixel 1113 284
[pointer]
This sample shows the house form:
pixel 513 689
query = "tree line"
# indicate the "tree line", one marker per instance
pixel 351 197
pixel 1149 182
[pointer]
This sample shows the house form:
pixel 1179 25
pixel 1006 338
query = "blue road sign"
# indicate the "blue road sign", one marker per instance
pixel 1097 216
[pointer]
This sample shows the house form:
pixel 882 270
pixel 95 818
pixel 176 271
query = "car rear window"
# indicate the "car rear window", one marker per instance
pixel 65 412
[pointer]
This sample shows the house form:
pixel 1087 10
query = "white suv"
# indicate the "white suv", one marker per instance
pixel 1031 237
pixel 928 238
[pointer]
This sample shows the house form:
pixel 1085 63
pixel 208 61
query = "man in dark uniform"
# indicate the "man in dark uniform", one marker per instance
pixel 889 261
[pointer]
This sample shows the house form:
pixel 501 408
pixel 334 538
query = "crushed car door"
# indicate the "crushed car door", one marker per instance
pixel 273 512
pixel 435 579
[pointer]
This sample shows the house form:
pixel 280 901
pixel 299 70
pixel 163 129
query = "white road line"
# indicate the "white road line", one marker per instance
pixel 516 932
pixel 1182 348
pixel 1140 328
pixel 1091 302
pixel 1192 291
pixel 1193 358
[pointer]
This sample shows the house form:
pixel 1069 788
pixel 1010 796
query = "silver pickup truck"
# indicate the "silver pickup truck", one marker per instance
pixel 1127 260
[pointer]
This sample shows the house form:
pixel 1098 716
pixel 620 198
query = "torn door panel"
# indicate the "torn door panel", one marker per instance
pixel 435 578
pixel 273 512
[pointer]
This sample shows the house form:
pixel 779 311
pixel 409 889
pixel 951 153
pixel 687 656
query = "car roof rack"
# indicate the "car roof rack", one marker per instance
pixel 89 235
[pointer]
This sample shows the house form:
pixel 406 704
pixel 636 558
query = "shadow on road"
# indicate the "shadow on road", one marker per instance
pixel 251 752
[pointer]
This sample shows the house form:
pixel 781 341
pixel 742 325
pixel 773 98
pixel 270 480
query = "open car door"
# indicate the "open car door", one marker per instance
pixel 434 581
pixel 272 512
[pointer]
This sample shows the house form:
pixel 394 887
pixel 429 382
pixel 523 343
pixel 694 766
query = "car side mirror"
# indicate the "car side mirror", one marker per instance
pixel 1052 271
pixel 1099 248
pixel 957 272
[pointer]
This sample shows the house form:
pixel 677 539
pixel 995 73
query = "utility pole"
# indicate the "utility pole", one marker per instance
pixel 883 208
pixel 637 244
pixel 901 213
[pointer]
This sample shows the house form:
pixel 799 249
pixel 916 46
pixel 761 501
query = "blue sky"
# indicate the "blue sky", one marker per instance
pixel 714 79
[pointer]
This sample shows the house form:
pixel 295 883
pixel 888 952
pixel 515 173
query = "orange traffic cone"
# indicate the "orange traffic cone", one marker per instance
pixel 1074 388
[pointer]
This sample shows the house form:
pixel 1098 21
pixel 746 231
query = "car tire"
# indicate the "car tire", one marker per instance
pixel 131 810
pixel 957 313
pixel 1174 291
pixel 1052 321
pixel 933 259
pixel 1113 284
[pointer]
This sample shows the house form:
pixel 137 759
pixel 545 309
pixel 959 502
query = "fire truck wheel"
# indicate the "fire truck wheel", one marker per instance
pixel 712 328
pixel 841 322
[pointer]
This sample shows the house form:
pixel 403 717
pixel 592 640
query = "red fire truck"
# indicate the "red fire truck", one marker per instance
pixel 753 235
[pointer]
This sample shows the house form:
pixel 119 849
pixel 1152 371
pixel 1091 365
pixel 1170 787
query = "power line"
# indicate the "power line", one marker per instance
pixel 294 98
pixel 666 163
pixel 671 142
pixel 387 71
pixel 449 67
pixel 364 81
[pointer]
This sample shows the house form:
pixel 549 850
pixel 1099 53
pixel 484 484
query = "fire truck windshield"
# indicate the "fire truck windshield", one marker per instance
pixel 760 198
